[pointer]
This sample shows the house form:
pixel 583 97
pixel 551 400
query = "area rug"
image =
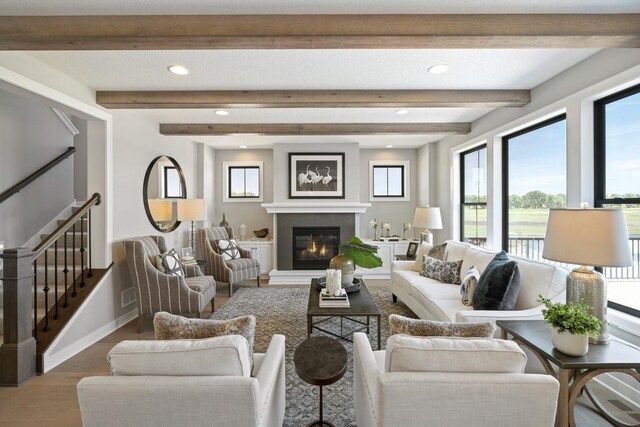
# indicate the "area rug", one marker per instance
pixel 283 311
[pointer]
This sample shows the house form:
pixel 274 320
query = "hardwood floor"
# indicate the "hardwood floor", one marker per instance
pixel 51 400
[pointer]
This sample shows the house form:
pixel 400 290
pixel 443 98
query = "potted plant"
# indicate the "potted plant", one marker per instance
pixel 355 252
pixel 571 325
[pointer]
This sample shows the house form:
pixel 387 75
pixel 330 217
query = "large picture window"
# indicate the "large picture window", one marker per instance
pixel 473 196
pixel 617 184
pixel 534 180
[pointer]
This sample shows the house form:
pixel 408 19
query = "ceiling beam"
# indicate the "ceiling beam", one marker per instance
pixel 445 31
pixel 314 99
pixel 279 129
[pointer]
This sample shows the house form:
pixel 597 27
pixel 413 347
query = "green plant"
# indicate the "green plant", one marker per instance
pixel 573 318
pixel 362 254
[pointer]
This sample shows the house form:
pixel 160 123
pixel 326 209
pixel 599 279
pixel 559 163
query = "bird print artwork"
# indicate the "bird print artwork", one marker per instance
pixel 312 179
pixel 315 175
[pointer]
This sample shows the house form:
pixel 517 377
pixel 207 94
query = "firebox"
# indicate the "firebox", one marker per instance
pixel 313 247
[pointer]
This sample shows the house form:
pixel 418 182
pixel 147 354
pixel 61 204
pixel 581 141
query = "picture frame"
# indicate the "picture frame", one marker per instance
pixel 316 176
pixel 187 254
pixel 412 250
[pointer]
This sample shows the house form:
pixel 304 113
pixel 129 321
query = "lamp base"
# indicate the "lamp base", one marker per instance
pixel 589 286
pixel 426 236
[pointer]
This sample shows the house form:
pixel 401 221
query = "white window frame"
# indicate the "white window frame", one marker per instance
pixel 225 181
pixel 407 174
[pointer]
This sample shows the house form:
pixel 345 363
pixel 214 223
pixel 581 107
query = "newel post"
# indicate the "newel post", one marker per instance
pixel 18 350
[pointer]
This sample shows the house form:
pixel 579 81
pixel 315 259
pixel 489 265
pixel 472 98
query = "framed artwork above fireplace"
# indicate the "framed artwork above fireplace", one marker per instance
pixel 316 176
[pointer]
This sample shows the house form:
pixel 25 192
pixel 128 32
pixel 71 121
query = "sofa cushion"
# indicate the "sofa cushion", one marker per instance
pixel 468 285
pixel 499 285
pixel 538 278
pixel 241 263
pixel 423 250
pixel 433 328
pixel 182 357
pixel 455 250
pixel 444 271
pixel 474 355
pixel 169 326
pixel 477 256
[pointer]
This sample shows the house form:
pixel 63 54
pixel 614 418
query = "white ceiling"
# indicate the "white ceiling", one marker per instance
pixel 314 69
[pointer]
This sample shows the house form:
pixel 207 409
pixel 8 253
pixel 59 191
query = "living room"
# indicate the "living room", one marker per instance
pixel 354 107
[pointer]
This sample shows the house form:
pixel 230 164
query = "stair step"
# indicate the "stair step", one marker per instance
pixel 62 221
pixel 70 236
pixel 51 256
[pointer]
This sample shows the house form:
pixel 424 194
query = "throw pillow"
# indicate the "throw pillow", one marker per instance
pixel 228 248
pixel 423 250
pixel 468 285
pixel 444 271
pixel 432 328
pixel 170 262
pixel 499 285
pixel 167 326
pixel 438 251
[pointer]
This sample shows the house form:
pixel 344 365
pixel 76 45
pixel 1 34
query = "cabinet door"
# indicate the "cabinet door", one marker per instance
pixel 263 255
pixel 385 251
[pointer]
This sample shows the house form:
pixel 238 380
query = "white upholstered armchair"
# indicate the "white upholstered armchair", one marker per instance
pixel 427 381
pixel 225 270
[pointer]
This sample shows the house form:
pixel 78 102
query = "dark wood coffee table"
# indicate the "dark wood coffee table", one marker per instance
pixel 361 305
pixel 574 372
pixel 320 361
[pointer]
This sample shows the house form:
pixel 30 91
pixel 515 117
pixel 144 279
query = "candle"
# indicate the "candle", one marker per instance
pixel 334 279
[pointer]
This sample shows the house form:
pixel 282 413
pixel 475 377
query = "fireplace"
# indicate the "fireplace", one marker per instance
pixel 313 247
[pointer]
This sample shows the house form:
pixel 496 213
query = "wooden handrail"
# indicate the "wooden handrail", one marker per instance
pixel 95 200
pixel 37 174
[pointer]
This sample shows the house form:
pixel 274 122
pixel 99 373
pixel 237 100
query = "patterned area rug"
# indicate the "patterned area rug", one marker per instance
pixel 283 311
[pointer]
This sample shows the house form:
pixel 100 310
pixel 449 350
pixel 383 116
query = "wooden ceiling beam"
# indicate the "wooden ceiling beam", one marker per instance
pixel 443 31
pixel 280 129
pixel 314 99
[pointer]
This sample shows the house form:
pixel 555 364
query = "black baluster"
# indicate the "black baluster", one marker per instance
pixel 90 231
pixel 55 280
pixel 65 271
pixel 73 233
pixel 82 251
pixel 46 290
pixel 35 299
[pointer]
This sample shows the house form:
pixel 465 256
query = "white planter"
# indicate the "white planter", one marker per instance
pixel 573 345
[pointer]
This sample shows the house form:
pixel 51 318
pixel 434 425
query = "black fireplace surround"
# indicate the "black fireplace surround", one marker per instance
pixel 313 247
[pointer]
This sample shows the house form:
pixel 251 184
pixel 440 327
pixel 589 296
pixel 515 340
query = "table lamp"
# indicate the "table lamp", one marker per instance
pixel 427 218
pixel 192 210
pixel 588 237
pixel 161 210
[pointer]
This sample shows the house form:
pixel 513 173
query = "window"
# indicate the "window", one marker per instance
pixel 242 181
pixel 473 199
pixel 534 180
pixel 617 184
pixel 389 181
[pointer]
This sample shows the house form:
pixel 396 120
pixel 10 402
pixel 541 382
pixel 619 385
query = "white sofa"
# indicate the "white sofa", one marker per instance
pixel 422 381
pixel 187 382
pixel 434 300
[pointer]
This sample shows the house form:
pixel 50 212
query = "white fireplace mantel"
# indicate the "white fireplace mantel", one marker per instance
pixel 316 207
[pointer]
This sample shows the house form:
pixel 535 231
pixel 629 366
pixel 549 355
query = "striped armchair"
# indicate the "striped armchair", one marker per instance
pixel 227 271
pixel 157 291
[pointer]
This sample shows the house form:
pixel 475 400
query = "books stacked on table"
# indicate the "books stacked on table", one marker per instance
pixel 186 261
pixel 328 301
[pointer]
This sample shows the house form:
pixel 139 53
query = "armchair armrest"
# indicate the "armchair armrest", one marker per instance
pixel 365 380
pixel 271 371
pixel 192 271
pixel 244 253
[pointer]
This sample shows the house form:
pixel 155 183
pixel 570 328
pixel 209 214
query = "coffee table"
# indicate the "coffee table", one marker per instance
pixel 574 372
pixel 361 305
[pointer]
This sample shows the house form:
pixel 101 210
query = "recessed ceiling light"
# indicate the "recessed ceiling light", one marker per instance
pixel 178 69
pixel 389 146
pixel 243 146
pixel 438 69
pixel 222 113
pixel 402 112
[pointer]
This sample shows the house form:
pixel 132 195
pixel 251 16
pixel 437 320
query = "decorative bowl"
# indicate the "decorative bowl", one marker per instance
pixel 262 233
pixel 355 286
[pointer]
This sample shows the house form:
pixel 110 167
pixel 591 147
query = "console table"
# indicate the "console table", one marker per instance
pixel 574 372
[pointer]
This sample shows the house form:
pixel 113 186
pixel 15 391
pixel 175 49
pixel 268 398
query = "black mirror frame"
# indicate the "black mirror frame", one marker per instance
pixel 145 198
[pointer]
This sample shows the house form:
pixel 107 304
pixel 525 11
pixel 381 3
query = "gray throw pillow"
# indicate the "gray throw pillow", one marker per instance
pixel 229 248
pixel 432 328
pixel 171 263
pixel 167 326
pixel 444 271
pixel 499 285
pixel 438 251
pixel 468 285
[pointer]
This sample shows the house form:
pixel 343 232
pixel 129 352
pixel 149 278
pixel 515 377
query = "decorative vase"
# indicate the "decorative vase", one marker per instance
pixel 568 343
pixel 346 266
pixel 243 230
pixel 224 222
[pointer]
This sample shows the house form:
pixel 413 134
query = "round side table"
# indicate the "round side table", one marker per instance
pixel 320 361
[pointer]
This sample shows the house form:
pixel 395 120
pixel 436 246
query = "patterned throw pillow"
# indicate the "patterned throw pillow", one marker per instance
pixel 170 262
pixel 468 285
pixel 444 271
pixel 438 251
pixel 228 248
pixel 433 328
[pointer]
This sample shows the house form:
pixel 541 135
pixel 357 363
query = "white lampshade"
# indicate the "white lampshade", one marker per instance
pixel 428 218
pixel 596 237
pixel 161 209
pixel 192 209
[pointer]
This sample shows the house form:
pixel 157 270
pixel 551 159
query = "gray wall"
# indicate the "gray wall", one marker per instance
pixel 31 135
pixel 80 160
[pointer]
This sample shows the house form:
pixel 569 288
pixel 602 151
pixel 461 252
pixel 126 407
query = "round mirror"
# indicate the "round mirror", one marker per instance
pixel 163 184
